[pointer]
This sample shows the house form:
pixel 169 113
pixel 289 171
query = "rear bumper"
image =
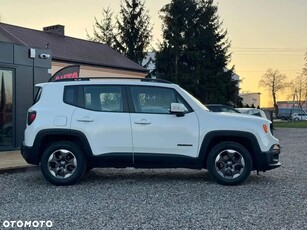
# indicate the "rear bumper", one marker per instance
pixel 30 154
pixel 269 160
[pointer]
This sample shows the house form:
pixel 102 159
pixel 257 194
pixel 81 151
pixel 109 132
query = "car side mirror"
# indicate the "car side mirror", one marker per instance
pixel 178 109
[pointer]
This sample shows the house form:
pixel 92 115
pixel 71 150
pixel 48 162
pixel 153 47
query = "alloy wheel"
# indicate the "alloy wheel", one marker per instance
pixel 229 164
pixel 62 163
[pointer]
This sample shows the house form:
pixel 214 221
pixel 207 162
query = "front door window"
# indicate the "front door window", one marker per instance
pixel 6 108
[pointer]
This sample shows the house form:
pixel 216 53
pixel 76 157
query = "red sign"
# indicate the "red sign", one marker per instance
pixel 71 71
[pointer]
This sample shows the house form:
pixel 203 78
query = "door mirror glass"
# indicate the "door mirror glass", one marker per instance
pixel 177 108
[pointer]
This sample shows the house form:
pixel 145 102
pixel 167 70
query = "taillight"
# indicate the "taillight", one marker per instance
pixel 31 117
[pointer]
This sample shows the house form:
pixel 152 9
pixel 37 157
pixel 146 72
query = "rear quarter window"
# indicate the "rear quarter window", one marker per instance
pixel 38 95
pixel 71 95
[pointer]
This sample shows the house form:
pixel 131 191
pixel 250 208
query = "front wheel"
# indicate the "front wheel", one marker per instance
pixel 63 163
pixel 229 163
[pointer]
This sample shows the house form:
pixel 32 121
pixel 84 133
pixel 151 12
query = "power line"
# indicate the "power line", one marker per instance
pixel 260 71
pixel 270 48
pixel 267 50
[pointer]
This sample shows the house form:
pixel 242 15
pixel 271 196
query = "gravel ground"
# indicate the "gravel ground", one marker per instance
pixel 166 199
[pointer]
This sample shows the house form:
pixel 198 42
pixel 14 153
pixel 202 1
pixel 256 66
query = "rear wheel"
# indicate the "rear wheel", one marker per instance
pixel 229 163
pixel 63 163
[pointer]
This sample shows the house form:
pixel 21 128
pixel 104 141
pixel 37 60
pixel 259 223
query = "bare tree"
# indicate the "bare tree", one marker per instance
pixel 304 76
pixel 274 82
pixel 298 89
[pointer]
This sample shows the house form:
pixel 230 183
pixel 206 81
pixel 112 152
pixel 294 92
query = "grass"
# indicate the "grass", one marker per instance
pixel 290 124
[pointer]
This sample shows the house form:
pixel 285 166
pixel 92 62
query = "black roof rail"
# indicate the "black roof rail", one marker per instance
pixel 156 80
pixel 115 78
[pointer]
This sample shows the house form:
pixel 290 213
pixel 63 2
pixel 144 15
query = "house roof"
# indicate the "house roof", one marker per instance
pixel 70 49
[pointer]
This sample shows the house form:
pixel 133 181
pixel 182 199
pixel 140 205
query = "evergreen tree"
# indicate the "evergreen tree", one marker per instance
pixel 194 52
pixel 131 33
pixel 134 30
pixel 104 30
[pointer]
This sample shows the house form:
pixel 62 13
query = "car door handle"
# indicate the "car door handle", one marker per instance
pixel 142 122
pixel 85 119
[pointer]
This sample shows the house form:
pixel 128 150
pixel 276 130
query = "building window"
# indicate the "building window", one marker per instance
pixel 6 108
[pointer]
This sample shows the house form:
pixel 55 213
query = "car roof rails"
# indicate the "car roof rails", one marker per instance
pixel 114 78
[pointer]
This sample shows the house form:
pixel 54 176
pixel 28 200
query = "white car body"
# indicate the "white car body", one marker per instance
pixel 155 138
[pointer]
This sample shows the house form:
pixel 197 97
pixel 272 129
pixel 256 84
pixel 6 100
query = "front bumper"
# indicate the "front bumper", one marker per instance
pixel 269 160
pixel 30 154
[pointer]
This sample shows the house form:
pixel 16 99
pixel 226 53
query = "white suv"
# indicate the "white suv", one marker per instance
pixel 78 125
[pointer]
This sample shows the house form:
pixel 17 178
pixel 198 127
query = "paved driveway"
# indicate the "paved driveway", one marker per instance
pixel 166 199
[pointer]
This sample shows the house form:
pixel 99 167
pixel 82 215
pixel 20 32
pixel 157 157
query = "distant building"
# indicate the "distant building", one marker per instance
pixel 250 99
pixel 149 63
pixel 235 77
pixel 291 104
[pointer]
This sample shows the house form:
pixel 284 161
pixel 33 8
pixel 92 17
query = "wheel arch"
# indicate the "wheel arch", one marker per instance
pixel 45 137
pixel 246 139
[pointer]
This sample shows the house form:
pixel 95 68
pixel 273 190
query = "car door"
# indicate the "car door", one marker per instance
pixel 160 137
pixel 104 119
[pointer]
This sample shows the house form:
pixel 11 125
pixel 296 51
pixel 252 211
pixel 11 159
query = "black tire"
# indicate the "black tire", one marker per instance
pixel 88 168
pixel 229 163
pixel 63 163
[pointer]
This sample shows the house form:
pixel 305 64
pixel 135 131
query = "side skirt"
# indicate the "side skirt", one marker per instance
pixel 144 160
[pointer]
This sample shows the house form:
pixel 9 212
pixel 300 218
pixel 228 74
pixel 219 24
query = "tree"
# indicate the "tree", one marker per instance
pixel 131 33
pixel 134 30
pixel 194 51
pixel 104 30
pixel 273 81
pixel 305 65
pixel 298 89
pixel 304 75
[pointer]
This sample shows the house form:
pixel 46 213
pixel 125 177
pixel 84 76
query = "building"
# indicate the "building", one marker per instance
pixel 95 59
pixel 29 56
pixel 20 69
pixel 291 104
pixel 250 99
pixel 149 63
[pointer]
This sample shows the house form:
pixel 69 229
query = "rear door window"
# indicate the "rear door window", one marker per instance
pixel 103 98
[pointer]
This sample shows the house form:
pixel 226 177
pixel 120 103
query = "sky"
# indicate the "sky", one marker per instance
pixel 263 33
